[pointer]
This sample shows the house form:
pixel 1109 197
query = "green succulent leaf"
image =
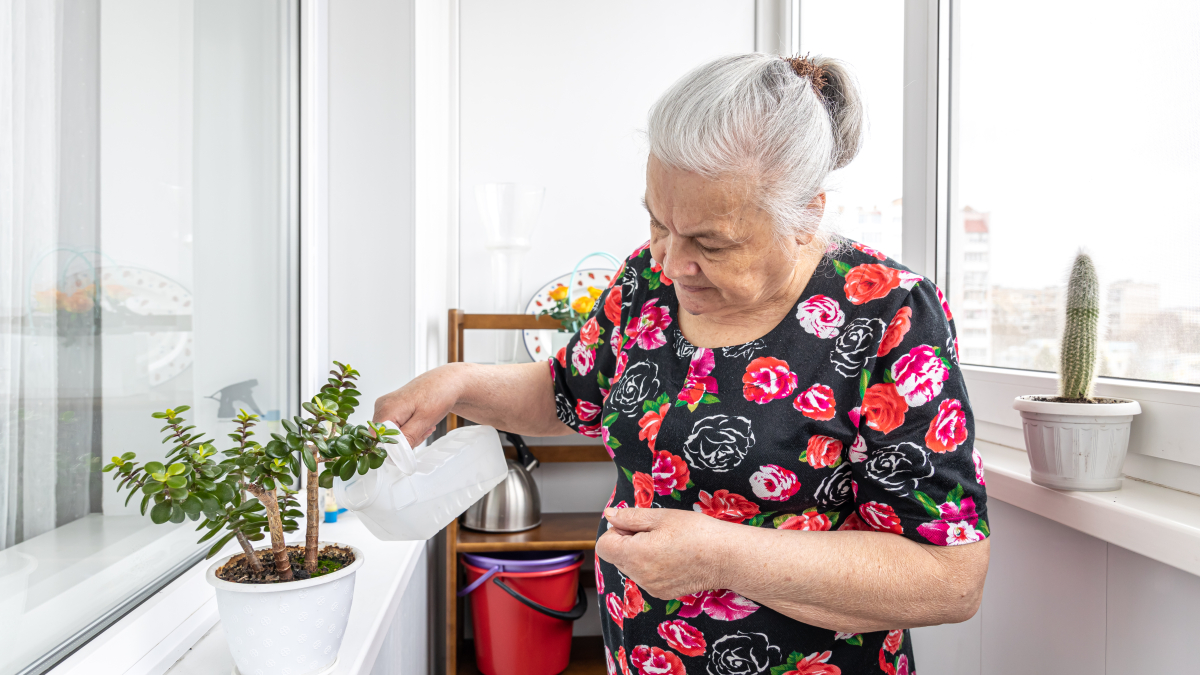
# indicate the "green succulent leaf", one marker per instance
pixel 160 513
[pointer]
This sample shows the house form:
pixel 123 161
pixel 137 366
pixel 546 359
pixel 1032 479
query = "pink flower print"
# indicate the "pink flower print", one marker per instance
pixel 902 665
pixel 855 414
pixel 586 410
pixel 592 430
pixel 821 315
pixel 907 279
pixel 816 403
pixel 682 637
pixel 670 473
pixel 955 527
pixel 647 330
pixel 948 429
pixel 722 605
pixel 945 305
pixel 858 450
pixel 978 459
pixel 919 375
pixel 699 379
pixel 616 609
pixel 583 358
pixel 622 362
pixel 869 251
pixel 774 483
pixel 767 379
pixel 605 438
pixel 599 577
pixel 609 664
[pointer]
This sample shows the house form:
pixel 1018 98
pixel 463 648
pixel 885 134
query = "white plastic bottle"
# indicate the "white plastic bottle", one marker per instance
pixel 416 494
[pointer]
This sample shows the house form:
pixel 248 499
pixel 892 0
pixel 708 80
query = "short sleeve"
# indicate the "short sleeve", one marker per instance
pixel 583 369
pixel 914 466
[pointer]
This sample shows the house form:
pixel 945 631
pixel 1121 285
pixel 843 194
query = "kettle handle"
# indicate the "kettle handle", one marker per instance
pixel 525 456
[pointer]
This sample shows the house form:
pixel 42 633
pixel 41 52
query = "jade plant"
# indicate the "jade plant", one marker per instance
pixel 248 495
pixel 1077 357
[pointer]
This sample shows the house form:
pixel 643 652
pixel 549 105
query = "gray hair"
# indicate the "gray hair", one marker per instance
pixel 752 115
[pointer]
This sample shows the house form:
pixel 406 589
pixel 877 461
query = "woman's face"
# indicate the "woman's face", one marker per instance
pixel 714 243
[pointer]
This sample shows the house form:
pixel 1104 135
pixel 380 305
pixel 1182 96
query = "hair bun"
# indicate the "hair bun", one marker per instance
pixel 834 83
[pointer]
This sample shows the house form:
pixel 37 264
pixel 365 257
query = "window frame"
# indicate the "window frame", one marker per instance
pixel 1162 449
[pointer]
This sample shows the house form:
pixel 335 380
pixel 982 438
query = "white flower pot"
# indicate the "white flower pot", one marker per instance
pixel 1076 446
pixel 290 628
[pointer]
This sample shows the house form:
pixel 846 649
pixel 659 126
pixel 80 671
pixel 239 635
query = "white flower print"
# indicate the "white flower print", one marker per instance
pixel 821 315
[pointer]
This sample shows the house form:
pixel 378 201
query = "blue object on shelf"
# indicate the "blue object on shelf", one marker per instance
pixel 331 516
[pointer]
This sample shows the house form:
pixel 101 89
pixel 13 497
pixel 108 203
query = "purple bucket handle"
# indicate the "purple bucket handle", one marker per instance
pixel 479 582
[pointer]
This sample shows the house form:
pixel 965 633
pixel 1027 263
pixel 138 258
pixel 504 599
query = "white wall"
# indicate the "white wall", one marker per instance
pixel 1059 601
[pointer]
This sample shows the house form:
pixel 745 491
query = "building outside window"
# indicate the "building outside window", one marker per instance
pixel 147 261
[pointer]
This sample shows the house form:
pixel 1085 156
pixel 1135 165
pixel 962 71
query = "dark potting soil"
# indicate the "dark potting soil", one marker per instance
pixel 330 559
pixel 1059 399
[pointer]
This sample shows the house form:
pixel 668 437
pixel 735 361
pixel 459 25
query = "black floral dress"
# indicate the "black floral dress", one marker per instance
pixel 851 414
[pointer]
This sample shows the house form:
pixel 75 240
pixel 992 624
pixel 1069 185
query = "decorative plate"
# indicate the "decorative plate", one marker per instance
pixel 542 345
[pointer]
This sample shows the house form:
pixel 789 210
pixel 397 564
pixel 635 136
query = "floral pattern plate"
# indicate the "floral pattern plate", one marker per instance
pixel 542 344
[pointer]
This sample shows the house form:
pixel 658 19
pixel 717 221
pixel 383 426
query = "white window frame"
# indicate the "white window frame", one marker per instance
pixel 1163 450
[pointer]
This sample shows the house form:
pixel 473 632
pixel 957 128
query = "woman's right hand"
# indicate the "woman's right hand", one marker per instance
pixel 418 406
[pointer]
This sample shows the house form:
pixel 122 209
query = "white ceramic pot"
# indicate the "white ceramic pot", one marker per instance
pixel 290 628
pixel 1076 446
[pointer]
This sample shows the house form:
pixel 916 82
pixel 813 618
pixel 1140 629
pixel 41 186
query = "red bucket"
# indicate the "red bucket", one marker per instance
pixel 522 606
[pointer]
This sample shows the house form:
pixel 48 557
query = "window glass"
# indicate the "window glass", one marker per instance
pixel 863 201
pixel 1077 130
pixel 145 263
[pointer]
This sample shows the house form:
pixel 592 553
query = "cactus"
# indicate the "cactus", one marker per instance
pixel 1077 357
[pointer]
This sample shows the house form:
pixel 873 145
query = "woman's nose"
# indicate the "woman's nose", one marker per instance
pixel 676 262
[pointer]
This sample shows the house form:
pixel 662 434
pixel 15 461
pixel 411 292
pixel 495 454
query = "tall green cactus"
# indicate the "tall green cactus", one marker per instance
pixel 1077 358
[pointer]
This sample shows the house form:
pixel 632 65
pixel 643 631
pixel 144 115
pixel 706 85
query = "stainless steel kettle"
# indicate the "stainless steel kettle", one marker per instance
pixel 515 504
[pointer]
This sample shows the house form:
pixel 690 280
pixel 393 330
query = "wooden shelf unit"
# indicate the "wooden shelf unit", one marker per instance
pixel 558 531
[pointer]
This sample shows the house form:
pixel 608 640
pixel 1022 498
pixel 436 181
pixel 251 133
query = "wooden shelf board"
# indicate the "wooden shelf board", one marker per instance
pixel 558 532
pixel 564 453
pixel 587 657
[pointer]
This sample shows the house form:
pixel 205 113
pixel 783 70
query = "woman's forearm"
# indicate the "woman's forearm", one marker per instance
pixel 517 398
pixel 853 582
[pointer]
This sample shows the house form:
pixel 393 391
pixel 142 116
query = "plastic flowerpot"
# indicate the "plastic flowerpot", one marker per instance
pixel 288 628
pixel 1076 446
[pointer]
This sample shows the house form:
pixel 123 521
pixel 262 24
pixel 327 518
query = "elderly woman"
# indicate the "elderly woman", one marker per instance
pixel 791 430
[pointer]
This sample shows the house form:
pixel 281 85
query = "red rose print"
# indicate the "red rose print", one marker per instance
pixel 823 451
pixel 616 609
pixel 590 332
pixel 699 380
pixel 586 410
pixel 650 424
pixel 853 522
pixel 814 664
pixel 870 282
pixel 816 403
pixel 767 379
pixel 670 473
pixel 612 305
pixel 809 521
pixel 945 305
pixel 591 430
pixel 643 490
pixel 561 356
pixel 885 663
pixel 633 603
pixel 622 661
pixel 881 517
pixel 896 331
pixel 682 637
pixel 774 483
pixel 948 429
pixel 893 640
pixel 655 661
pixel 725 505
pixel 883 407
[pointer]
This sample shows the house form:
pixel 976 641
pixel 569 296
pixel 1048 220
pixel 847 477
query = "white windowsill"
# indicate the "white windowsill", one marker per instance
pixel 160 634
pixel 1154 521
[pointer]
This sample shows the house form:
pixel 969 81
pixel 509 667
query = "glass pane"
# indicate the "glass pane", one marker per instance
pixel 1077 130
pixel 864 197
pixel 145 240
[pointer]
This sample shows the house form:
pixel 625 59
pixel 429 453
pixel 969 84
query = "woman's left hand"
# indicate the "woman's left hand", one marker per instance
pixel 668 553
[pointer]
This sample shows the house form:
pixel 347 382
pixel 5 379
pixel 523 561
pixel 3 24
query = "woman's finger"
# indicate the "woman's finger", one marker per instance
pixel 634 520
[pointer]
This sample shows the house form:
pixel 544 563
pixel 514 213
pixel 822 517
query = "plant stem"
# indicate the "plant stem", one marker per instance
pixel 313 524
pixel 251 556
pixel 283 566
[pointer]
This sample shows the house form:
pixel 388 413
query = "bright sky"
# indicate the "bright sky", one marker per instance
pixel 1077 126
